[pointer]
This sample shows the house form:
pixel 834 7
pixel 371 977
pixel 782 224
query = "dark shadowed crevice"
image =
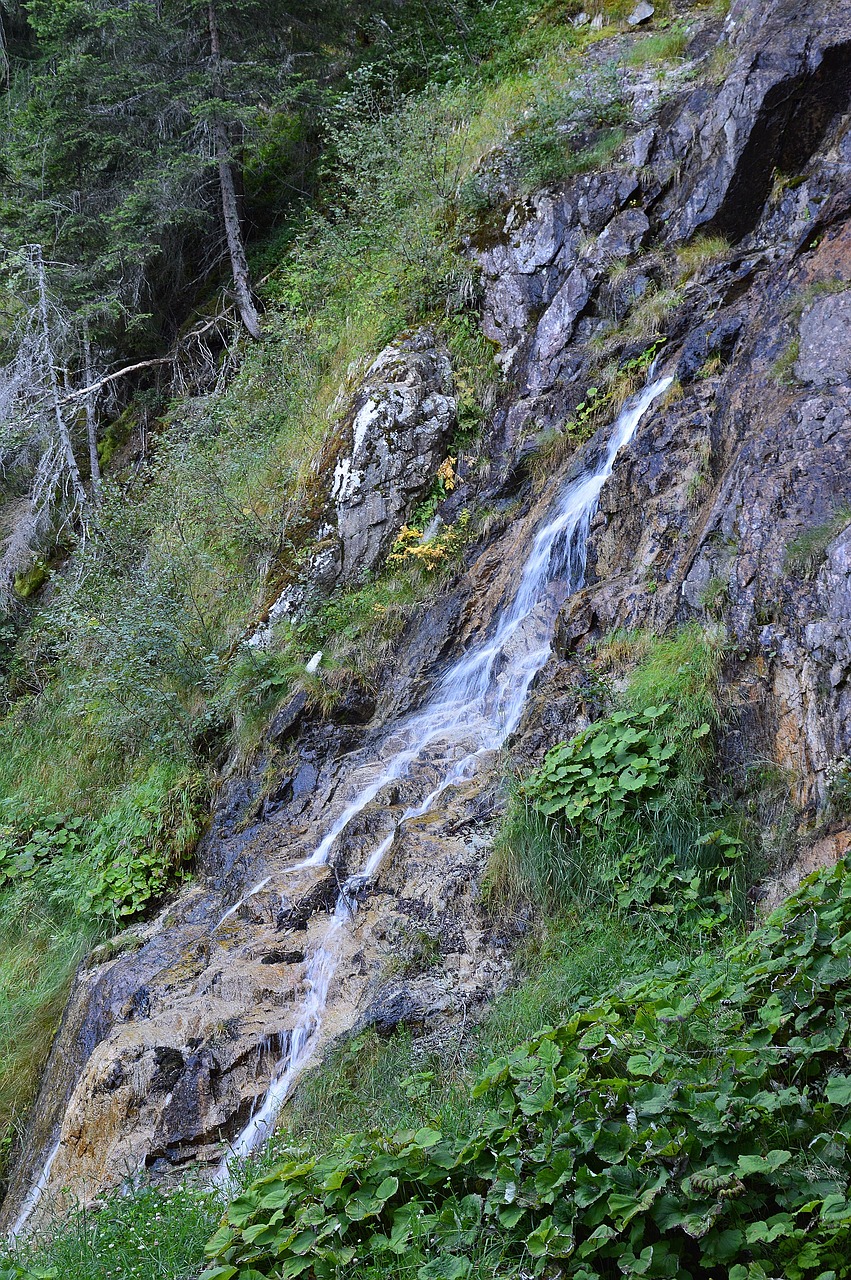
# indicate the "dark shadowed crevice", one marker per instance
pixel 794 118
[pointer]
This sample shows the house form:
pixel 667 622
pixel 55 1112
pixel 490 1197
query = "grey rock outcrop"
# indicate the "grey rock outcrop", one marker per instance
pixel 394 439
pixel 788 78
pixel 825 350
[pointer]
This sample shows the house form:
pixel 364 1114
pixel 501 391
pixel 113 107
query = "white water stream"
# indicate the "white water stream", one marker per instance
pixel 477 705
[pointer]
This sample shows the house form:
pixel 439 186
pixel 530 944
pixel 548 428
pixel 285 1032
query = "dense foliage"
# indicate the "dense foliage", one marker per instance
pixel 700 1120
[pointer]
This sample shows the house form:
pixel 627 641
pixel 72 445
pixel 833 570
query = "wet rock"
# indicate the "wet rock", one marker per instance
pixel 288 719
pixel 282 957
pixel 304 780
pixel 716 337
pixel 392 1007
pixel 356 706
pixel 412 1004
pixel 825 350
pixel 617 241
pixel 168 1069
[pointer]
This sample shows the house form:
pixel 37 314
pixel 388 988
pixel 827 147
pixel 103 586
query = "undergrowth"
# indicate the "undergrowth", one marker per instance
pixel 697 1123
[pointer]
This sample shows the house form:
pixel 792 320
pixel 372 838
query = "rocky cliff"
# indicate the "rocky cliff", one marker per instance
pixel 723 226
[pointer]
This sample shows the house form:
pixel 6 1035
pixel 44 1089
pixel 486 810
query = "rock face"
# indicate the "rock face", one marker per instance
pixel 395 438
pixel 731 506
pixel 377 465
pixel 825 348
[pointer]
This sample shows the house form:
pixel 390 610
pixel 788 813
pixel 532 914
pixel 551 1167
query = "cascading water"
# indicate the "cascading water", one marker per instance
pixel 477 705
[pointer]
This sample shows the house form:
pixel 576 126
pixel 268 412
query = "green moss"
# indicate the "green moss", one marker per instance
pixel 28 583
pixel 116 435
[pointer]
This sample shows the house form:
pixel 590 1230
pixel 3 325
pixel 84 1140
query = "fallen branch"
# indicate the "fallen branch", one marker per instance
pixel 142 364
pixel 119 373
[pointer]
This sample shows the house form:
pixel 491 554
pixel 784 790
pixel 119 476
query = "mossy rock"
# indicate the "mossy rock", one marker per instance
pixel 32 580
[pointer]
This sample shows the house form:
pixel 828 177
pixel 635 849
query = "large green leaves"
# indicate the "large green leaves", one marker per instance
pixel 605 769
pixel 693 1127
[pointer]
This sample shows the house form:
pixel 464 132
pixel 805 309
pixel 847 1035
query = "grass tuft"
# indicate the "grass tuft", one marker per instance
pixel 806 553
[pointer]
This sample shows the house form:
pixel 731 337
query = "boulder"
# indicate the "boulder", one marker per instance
pixel 395 437
pixel 641 13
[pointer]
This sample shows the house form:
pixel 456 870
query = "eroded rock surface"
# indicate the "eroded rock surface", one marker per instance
pixel 825 346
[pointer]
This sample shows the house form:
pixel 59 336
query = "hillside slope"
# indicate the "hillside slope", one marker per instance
pixel 683 280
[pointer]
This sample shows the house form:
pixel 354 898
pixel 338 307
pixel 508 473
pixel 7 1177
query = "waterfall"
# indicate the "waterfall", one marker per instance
pixel 34 1194
pixel 475 708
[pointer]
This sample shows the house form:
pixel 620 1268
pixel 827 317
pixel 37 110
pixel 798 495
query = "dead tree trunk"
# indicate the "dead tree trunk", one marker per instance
pixel 91 421
pixel 227 186
pixel 53 378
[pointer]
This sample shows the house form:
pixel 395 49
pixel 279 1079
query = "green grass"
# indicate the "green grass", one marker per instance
pixel 701 252
pixel 149 1235
pixel 783 368
pixel 40 946
pixel 661 46
pixel 805 554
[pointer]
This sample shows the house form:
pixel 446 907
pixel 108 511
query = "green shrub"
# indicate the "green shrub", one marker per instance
pixel 698 1125
pixel 141 846
pixel 620 817
pixel 607 769
pixel 118 865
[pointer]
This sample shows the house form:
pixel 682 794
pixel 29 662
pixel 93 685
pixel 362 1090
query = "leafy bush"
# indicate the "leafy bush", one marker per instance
pixel 606 769
pixel 141 846
pixel 621 817
pixel 701 1121
pixel 117 865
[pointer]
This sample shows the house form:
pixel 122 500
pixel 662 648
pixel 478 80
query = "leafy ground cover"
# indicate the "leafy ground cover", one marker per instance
pixel 699 1120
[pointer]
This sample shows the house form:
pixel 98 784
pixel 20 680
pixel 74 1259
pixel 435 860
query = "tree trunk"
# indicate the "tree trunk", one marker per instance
pixel 227 186
pixel 91 422
pixel 61 425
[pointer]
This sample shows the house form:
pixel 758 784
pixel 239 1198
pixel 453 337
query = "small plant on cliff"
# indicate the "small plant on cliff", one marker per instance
pixel 431 554
pixel 805 553
pixel 608 768
pixel 662 46
pixel 838 778
pixel 701 252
